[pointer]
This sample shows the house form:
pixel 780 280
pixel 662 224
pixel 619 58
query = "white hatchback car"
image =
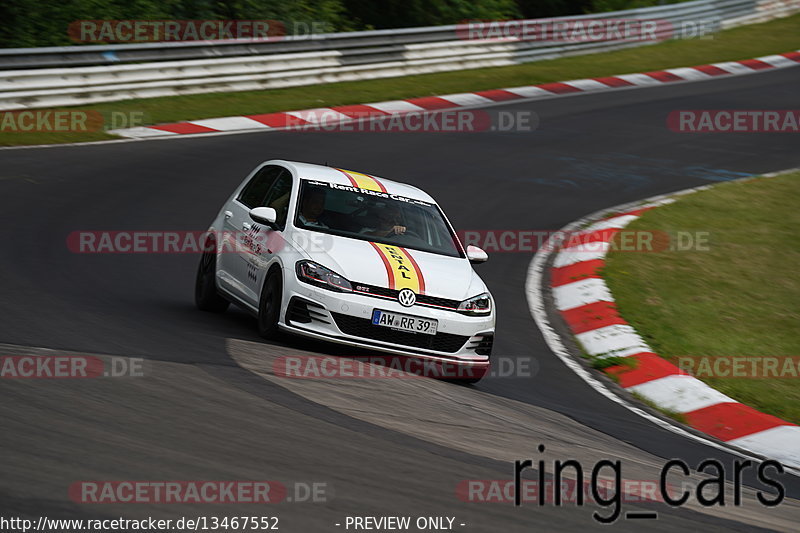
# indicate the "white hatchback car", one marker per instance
pixel 349 258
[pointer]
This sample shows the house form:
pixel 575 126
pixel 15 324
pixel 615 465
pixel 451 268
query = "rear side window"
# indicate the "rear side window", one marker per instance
pixel 255 192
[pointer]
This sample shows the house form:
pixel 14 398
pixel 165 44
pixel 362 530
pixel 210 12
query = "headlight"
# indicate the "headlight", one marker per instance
pixel 480 305
pixel 318 275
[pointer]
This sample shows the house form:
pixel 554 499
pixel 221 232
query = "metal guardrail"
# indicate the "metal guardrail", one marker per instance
pixel 89 74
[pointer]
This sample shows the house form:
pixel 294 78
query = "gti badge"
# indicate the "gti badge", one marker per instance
pixel 407 298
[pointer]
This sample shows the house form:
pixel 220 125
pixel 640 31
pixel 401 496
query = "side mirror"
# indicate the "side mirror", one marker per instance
pixel 264 215
pixel 476 255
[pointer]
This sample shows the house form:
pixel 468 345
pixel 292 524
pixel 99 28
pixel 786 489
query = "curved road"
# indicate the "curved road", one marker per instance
pixel 207 407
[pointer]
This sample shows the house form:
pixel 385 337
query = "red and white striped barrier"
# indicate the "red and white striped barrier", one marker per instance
pixel 586 304
pixel 344 114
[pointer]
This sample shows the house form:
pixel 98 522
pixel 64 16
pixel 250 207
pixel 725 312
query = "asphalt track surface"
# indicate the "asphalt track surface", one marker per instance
pixel 207 407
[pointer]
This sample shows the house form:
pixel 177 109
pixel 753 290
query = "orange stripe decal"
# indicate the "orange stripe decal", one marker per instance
pixel 363 181
pixel 389 271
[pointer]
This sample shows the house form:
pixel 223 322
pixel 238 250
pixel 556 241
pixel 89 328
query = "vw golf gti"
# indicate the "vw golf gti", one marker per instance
pixel 350 258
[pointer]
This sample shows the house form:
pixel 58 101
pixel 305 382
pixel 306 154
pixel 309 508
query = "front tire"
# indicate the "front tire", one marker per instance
pixel 269 306
pixel 206 295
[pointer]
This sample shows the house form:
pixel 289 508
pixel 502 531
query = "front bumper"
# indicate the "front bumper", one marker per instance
pixel 345 318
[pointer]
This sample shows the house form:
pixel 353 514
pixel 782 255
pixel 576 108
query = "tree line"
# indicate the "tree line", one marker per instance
pixel 28 23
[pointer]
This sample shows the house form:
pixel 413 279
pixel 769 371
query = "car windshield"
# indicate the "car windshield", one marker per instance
pixel 374 216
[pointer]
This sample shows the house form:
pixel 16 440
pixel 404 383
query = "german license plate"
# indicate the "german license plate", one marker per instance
pixel 403 322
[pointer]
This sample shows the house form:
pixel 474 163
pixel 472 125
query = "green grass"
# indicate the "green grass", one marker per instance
pixel 601 363
pixel 772 37
pixel 740 297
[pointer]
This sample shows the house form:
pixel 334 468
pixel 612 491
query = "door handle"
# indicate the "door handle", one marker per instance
pixel 228 215
pixel 246 226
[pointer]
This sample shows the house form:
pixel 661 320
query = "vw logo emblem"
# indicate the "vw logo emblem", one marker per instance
pixel 407 298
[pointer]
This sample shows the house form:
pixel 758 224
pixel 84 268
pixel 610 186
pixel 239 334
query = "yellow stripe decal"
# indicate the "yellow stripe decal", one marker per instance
pixel 363 181
pixel 405 274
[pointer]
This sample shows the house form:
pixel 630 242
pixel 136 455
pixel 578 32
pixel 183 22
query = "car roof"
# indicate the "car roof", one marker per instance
pixel 348 177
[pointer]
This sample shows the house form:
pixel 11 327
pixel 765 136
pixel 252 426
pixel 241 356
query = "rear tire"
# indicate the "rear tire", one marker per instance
pixel 206 294
pixel 269 305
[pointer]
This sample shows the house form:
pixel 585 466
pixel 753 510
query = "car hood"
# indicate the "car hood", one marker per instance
pixel 370 263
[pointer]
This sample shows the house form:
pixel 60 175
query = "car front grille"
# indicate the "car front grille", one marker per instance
pixel 363 327
pixel 422 299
